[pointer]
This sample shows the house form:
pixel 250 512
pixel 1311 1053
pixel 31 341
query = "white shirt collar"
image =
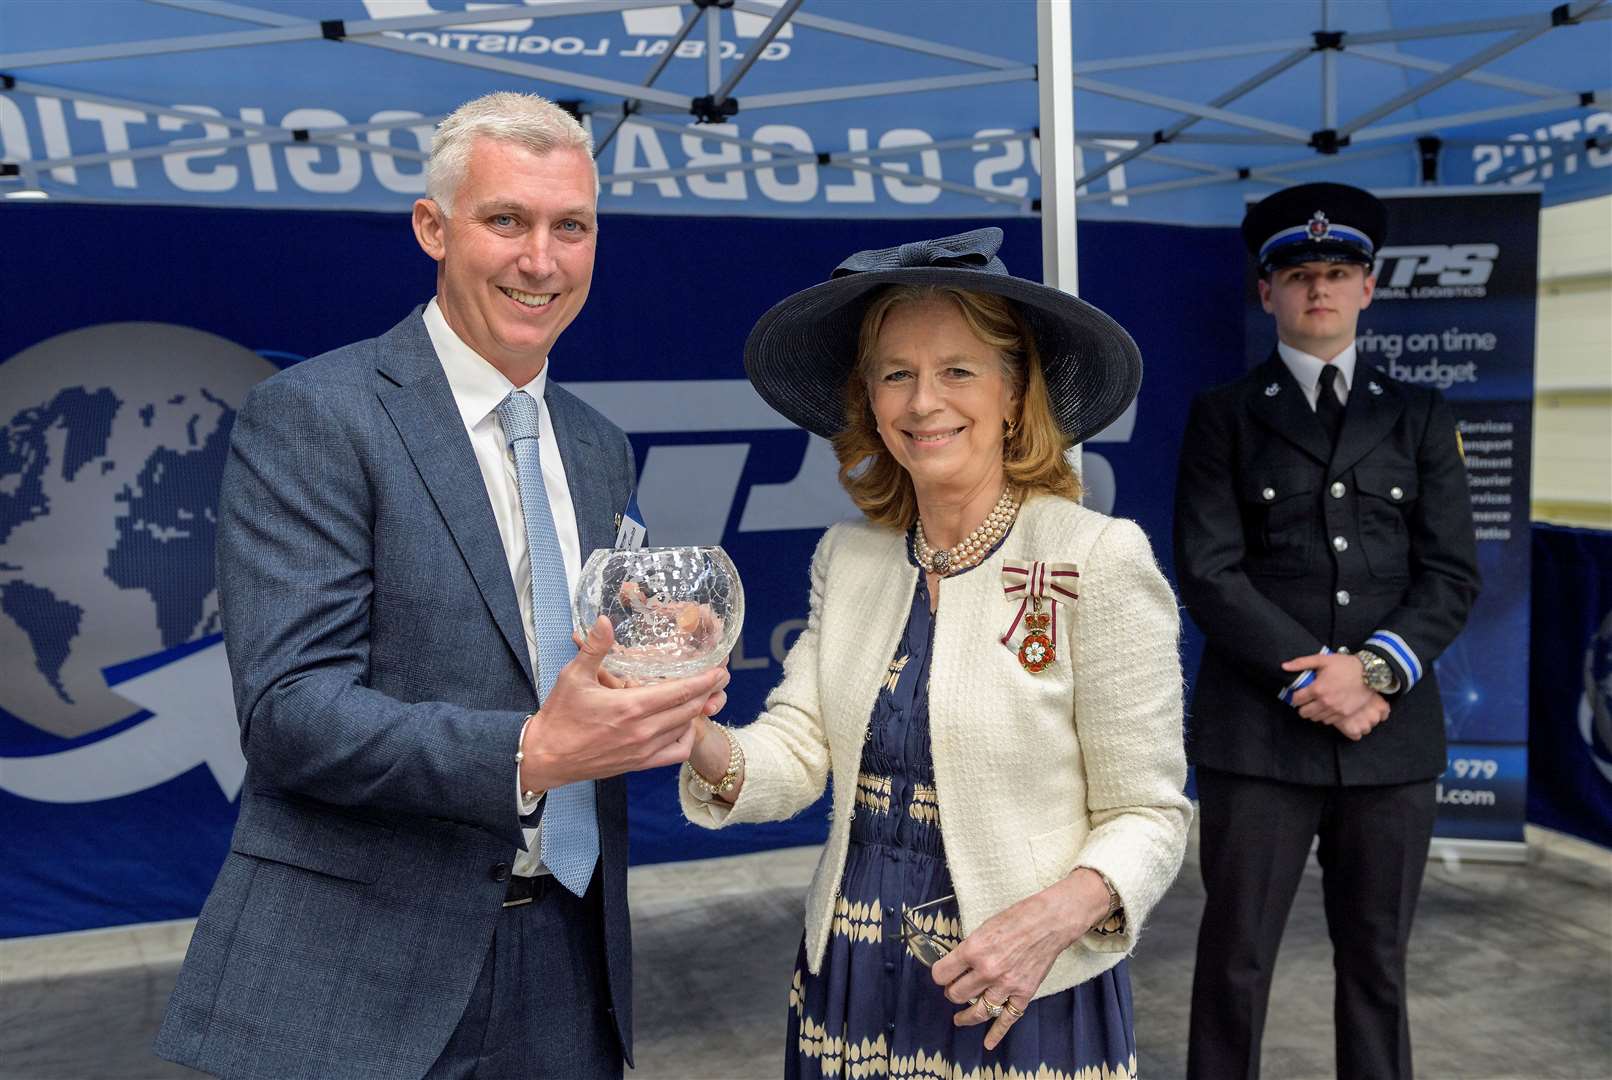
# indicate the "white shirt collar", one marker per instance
pixel 1306 369
pixel 477 386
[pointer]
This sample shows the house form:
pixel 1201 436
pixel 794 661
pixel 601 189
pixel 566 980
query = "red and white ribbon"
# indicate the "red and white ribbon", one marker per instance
pixel 1025 582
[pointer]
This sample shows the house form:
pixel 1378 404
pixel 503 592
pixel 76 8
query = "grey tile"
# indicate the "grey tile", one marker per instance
pixel 1510 969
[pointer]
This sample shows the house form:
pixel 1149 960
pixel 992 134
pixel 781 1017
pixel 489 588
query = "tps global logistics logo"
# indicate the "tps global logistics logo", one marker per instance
pixel 112 445
pixel 647 30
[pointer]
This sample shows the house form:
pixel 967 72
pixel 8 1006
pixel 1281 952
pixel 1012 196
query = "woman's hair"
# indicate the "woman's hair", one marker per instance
pixel 1032 457
pixel 526 120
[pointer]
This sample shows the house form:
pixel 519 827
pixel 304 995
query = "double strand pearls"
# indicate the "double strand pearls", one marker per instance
pixel 973 546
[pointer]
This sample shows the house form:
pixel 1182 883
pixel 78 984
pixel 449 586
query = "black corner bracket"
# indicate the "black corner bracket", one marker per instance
pixel 824 158
pixel 1244 173
pixel 8 82
pixel 713 3
pixel 708 110
pixel 299 134
pixel 10 168
pixel 573 106
pixel 1035 206
pixel 1586 98
pixel 1562 15
pixel 1328 141
pixel 1327 39
pixel 333 29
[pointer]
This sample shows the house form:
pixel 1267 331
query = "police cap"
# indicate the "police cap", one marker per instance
pixel 1315 223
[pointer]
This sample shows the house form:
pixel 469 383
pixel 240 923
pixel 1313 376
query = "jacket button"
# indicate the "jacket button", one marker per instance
pixel 1337 489
pixel 1339 544
pixel 498 871
pixel 1342 597
pixel 1396 493
pixel 1268 494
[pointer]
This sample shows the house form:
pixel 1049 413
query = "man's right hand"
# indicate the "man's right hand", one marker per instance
pixel 588 729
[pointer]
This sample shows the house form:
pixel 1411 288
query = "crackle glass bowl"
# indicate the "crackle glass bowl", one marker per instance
pixel 676 610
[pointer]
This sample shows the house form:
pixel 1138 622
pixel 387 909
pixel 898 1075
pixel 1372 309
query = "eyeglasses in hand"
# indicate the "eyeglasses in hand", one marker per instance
pixel 922 944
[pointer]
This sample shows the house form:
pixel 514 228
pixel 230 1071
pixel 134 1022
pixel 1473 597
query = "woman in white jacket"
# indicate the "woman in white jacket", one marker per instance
pixel 989 672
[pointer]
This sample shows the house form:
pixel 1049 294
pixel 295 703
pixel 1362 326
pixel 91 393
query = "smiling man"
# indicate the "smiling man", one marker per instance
pixel 428 876
pixel 1324 544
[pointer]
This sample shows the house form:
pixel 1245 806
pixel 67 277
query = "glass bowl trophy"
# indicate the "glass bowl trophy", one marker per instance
pixel 676 611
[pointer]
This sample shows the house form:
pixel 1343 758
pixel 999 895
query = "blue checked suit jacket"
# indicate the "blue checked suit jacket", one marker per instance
pixel 381 679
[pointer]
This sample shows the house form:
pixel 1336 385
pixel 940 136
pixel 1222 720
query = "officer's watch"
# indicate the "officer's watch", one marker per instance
pixel 1376 673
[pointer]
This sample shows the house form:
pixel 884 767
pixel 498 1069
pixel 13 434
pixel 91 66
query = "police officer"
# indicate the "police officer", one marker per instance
pixel 1324 542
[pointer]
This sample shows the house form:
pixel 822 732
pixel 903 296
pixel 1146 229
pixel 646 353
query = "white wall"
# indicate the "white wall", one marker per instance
pixel 1572 475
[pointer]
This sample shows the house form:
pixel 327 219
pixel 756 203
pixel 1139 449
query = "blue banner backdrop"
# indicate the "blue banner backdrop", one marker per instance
pixel 1454 309
pixel 1570 737
pixel 127 345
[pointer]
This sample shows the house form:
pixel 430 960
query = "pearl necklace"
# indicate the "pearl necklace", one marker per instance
pixel 974 546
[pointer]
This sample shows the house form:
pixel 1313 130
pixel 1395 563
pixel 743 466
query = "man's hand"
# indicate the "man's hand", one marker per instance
pixel 592 727
pixel 1339 690
pixel 1358 725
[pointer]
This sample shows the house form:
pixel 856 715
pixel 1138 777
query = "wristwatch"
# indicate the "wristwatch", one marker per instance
pixel 1376 673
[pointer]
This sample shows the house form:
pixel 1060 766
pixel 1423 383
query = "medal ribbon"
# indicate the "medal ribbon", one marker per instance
pixel 1032 581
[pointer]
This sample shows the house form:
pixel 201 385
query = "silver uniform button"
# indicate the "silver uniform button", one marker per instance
pixel 1268 494
pixel 1339 544
pixel 1338 489
pixel 1342 597
pixel 1396 493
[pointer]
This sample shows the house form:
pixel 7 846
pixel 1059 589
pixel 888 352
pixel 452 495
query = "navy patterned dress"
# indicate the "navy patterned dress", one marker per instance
pixel 874 1011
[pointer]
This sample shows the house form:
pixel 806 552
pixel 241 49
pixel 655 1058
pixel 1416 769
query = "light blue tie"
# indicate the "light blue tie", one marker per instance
pixel 570 836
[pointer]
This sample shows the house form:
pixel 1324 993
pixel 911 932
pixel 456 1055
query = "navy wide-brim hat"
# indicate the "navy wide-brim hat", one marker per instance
pixel 801 352
pixel 1315 223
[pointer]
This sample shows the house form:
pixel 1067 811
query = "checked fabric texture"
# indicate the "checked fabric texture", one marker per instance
pixel 569 843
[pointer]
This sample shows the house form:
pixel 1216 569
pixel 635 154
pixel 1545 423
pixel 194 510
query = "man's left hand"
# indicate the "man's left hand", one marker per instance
pixel 1339 689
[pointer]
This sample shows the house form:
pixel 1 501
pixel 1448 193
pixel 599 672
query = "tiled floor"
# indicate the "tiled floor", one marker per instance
pixel 1511 969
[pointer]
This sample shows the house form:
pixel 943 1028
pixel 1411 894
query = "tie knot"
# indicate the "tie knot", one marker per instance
pixel 518 414
pixel 1329 377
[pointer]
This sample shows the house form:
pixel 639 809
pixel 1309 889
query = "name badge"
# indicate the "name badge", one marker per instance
pixel 630 530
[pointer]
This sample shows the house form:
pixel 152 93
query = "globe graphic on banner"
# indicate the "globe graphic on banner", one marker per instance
pixel 1595 708
pixel 112 445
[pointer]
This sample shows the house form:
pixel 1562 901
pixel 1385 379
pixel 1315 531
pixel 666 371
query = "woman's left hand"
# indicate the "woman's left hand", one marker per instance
pixel 1005 960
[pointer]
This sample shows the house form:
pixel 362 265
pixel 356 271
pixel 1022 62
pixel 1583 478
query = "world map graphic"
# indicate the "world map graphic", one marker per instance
pixel 113 441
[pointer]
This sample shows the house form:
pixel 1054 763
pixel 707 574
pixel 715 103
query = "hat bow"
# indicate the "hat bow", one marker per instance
pixel 972 250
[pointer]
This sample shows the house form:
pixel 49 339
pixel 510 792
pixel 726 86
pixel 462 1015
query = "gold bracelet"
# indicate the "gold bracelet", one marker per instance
pixel 729 778
pixel 1114 921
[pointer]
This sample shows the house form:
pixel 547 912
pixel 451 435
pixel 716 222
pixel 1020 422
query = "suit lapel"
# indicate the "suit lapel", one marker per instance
pixel 1369 416
pixel 587 481
pixel 1279 404
pixel 414 392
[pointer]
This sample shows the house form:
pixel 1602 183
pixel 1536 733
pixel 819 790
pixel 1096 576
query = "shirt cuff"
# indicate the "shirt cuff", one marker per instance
pixel 524 806
pixel 1304 678
pixel 1397 652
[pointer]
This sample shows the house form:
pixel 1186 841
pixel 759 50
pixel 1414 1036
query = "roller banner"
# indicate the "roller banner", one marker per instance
pixel 1454 309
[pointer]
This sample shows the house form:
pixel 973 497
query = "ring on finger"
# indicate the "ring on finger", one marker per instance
pixel 1012 1009
pixel 992 1009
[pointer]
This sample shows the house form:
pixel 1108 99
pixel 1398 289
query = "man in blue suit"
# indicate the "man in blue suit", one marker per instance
pixel 428 877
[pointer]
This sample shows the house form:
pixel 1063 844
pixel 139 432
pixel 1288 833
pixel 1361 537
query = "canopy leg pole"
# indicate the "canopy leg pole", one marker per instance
pixel 1055 57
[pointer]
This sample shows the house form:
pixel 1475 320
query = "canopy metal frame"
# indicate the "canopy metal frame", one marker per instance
pixel 617 103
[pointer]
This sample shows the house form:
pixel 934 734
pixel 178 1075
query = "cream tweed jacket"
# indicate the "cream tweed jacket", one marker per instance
pixel 1035 774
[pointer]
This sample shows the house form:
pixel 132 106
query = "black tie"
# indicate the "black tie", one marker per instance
pixel 1328 409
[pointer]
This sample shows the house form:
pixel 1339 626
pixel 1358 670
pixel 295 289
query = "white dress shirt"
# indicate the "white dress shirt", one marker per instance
pixel 478 388
pixel 1306 371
